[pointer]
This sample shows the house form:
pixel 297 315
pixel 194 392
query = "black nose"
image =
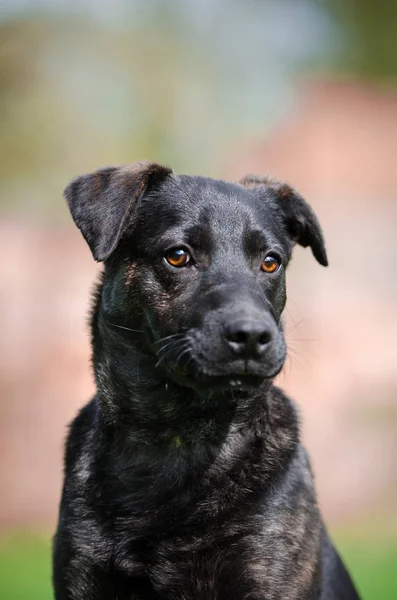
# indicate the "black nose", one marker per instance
pixel 248 338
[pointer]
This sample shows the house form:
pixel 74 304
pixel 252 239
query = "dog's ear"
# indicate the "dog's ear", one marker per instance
pixel 101 202
pixel 301 223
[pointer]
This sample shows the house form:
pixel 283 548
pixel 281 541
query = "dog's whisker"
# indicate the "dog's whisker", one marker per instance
pixel 175 343
pixel 169 347
pixel 294 359
pixel 164 356
pixel 300 350
pixel 160 360
pixel 173 335
pixel 181 347
pixel 123 327
pixel 189 361
pixel 178 345
pixel 171 343
pixel 182 354
pixel 294 324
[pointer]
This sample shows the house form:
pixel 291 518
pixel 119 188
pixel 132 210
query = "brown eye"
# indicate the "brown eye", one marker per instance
pixel 270 264
pixel 178 257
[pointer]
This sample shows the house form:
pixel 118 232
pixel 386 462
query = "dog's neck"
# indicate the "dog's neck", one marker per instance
pixel 139 399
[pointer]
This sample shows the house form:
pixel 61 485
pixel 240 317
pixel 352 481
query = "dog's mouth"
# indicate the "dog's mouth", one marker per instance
pixel 246 379
pixel 220 383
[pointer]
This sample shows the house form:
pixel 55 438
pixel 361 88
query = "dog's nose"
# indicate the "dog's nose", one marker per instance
pixel 248 338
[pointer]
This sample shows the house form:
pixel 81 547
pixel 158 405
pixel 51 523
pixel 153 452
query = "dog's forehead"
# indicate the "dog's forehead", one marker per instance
pixel 218 204
pixel 217 196
pixel 209 215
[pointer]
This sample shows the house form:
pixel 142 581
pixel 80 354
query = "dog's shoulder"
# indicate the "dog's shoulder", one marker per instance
pixel 78 522
pixel 80 431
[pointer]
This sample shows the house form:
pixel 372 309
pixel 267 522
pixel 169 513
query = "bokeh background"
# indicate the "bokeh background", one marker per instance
pixel 302 89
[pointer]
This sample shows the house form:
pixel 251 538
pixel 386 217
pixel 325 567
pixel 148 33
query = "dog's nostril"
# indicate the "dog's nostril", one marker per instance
pixel 238 337
pixel 264 338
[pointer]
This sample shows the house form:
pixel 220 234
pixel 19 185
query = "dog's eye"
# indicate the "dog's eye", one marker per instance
pixel 178 257
pixel 270 264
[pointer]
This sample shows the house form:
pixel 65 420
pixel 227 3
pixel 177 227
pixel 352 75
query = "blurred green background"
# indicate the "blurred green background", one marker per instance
pixel 302 89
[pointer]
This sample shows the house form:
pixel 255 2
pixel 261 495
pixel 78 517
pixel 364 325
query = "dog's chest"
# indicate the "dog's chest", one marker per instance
pixel 262 549
pixel 274 558
pixel 261 566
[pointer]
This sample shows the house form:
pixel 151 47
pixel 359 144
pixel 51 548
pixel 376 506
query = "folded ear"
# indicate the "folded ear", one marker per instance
pixel 101 202
pixel 301 223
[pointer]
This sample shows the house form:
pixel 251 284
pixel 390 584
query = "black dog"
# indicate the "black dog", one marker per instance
pixel 184 477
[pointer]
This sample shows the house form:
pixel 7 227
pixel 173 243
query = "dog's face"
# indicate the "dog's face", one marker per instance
pixel 197 265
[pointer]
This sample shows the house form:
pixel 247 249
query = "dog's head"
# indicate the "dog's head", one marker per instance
pixel 195 267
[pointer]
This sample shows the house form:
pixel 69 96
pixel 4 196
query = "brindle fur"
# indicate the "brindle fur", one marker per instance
pixel 185 479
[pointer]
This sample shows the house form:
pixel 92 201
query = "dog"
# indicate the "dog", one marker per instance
pixel 185 478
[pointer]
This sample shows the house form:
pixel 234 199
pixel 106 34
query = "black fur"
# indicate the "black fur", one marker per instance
pixel 184 477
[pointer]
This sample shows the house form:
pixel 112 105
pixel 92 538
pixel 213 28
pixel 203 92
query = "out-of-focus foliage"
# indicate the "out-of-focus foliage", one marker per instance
pixel 368 35
pixel 25 568
pixel 87 83
pixel 92 83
